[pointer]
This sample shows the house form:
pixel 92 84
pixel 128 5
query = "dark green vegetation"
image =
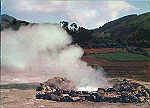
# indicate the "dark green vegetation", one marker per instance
pixel 128 31
pixel 11 22
pixel 122 56
pixel 19 86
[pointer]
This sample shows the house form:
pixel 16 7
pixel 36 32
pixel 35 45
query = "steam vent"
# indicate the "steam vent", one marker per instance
pixel 124 91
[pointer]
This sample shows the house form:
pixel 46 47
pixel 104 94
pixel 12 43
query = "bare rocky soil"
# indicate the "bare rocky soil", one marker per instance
pixel 26 99
pixel 16 98
pixel 123 91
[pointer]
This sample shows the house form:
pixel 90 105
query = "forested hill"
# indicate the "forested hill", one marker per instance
pixel 128 31
pixel 11 22
pixel 132 30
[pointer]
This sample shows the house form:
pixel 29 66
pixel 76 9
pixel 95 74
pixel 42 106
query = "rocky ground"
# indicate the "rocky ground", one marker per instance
pixel 123 91
pixel 16 98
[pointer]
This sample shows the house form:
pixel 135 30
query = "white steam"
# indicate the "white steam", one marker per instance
pixel 37 53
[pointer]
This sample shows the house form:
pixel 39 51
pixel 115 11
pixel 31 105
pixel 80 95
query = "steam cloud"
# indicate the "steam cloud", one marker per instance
pixel 39 52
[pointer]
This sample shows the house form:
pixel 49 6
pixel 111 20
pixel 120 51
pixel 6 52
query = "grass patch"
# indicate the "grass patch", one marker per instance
pixel 122 56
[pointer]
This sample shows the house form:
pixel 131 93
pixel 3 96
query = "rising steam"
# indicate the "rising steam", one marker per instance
pixel 37 53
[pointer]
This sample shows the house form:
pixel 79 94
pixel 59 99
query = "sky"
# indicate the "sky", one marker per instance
pixel 87 13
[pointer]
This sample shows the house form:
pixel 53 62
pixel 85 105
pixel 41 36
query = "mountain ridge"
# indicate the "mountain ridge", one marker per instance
pixel 128 31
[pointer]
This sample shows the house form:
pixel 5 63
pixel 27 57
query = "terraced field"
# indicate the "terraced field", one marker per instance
pixel 120 63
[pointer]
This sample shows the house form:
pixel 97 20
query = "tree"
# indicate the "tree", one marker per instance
pixel 64 24
pixel 74 27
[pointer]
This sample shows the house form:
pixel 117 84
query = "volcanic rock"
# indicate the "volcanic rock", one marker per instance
pixel 61 83
pixel 124 91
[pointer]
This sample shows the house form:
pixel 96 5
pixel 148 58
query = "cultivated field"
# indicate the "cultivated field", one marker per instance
pixel 119 63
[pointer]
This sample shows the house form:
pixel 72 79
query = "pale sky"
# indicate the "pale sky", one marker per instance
pixel 86 13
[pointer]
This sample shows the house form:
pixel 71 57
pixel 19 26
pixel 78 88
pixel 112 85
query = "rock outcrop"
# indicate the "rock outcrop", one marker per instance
pixel 61 83
pixel 125 92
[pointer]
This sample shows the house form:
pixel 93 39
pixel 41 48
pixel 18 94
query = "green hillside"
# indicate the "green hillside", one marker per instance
pixel 128 31
pixel 121 56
